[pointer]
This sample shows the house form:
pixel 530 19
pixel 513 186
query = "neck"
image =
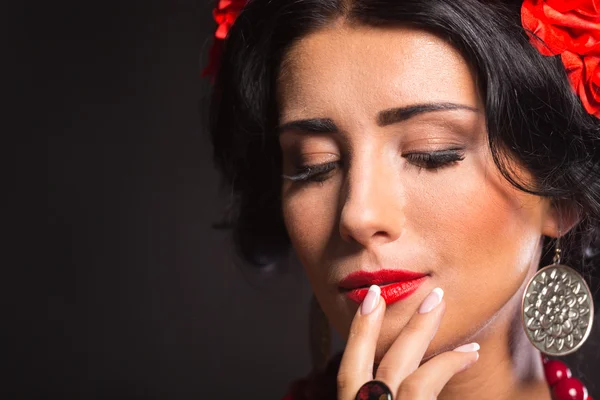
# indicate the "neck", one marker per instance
pixel 509 367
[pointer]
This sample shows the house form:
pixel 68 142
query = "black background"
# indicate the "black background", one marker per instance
pixel 116 284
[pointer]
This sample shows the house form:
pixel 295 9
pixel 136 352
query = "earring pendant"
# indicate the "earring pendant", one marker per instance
pixel 557 309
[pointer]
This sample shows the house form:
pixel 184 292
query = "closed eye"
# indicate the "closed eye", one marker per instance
pixel 430 161
pixel 435 160
pixel 312 173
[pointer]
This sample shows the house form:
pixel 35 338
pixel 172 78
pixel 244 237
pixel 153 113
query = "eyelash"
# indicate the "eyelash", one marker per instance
pixel 430 161
pixel 436 159
pixel 312 173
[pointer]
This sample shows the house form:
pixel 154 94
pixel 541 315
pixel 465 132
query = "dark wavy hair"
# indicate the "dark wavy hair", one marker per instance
pixel 532 113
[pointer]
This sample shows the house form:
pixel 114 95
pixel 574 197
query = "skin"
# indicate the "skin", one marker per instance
pixel 474 235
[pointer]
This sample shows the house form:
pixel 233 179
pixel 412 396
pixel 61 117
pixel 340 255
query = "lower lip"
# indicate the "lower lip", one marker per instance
pixel 391 293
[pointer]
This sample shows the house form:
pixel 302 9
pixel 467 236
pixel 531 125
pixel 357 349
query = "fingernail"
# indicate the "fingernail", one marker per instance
pixel 431 301
pixel 466 348
pixel 371 300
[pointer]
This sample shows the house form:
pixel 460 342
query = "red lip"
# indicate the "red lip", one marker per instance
pixel 395 284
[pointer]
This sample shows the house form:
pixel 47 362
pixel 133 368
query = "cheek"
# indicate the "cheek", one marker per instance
pixel 485 235
pixel 310 215
pixel 478 221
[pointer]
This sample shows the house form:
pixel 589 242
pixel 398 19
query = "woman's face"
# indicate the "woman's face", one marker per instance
pixel 416 191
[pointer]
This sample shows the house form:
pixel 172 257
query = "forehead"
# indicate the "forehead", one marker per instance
pixel 363 69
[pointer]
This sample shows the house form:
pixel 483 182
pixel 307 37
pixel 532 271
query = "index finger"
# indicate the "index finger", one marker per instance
pixel 356 366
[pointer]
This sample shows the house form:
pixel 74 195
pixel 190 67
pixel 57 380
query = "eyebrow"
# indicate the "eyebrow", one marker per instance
pixel 384 118
pixel 395 115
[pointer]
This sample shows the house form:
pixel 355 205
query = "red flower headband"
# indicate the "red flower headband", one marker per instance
pixel 569 28
pixel 224 14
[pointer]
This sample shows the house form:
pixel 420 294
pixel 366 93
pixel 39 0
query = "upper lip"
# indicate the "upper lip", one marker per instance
pixel 381 277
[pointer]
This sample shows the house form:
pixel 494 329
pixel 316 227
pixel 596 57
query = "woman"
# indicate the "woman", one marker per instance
pixel 423 159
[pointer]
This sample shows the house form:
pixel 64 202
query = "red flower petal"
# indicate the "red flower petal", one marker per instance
pixel 584 76
pixel 586 6
pixel 560 31
pixel 574 31
pixel 224 14
pixel 570 28
pixel 592 65
pixel 224 4
pixel 534 22
pixel 574 66
pixel 222 30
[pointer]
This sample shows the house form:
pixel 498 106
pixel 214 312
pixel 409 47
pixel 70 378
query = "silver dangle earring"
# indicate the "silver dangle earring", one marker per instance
pixel 319 336
pixel 557 308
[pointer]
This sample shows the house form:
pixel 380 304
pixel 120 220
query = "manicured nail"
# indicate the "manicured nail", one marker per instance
pixel 466 348
pixel 371 300
pixel 431 301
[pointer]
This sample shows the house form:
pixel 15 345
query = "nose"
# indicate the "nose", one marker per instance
pixel 372 210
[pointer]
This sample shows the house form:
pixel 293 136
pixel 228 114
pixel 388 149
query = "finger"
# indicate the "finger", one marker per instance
pixel 428 381
pixel 356 366
pixel 406 353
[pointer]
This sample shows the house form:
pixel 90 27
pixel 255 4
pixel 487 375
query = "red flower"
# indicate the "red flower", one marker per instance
pixel 224 14
pixel 584 75
pixel 571 29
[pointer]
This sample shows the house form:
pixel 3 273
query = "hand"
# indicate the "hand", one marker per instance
pixel 399 369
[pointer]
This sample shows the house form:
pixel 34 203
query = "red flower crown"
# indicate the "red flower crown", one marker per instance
pixel 224 14
pixel 569 28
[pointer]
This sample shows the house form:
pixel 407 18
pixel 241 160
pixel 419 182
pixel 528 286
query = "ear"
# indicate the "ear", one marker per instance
pixel 560 217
